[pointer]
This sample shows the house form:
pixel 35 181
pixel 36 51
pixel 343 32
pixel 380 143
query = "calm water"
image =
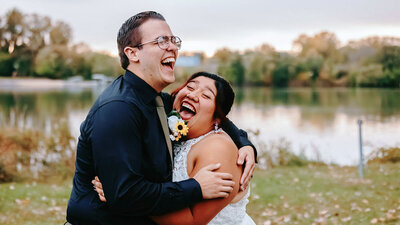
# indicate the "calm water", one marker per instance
pixel 322 123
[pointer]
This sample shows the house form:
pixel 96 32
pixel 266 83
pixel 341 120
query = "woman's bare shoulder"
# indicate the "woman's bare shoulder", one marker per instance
pixel 216 145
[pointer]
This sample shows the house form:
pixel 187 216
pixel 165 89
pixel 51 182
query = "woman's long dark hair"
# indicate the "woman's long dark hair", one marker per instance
pixel 225 95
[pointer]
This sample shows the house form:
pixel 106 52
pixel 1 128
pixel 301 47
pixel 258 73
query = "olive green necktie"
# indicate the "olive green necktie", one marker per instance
pixel 164 124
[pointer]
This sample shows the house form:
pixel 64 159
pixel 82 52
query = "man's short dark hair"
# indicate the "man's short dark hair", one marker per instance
pixel 129 35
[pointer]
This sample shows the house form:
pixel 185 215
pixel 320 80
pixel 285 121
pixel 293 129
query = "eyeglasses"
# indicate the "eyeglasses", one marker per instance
pixel 163 42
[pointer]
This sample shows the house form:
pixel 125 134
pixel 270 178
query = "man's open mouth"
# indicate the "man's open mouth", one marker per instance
pixel 168 62
pixel 187 110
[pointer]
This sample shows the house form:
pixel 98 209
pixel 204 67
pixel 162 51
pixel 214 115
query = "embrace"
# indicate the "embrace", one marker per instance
pixel 143 178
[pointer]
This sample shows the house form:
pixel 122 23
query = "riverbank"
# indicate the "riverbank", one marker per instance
pixel 42 84
pixel 314 194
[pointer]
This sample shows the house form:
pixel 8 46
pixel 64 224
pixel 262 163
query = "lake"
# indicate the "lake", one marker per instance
pixel 320 123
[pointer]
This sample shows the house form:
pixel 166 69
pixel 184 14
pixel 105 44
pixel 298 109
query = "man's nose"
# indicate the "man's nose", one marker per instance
pixel 172 46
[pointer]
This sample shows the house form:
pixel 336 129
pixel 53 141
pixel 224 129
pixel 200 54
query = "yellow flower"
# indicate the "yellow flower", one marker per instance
pixel 181 128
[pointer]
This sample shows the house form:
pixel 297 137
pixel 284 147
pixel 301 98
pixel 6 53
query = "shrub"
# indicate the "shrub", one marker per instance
pixel 384 155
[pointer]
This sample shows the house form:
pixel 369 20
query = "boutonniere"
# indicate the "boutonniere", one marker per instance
pixel 177 126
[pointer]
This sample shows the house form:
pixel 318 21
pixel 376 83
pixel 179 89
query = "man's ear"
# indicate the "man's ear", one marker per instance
pixel 132 54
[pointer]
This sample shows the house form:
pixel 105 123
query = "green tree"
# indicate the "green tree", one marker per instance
pixel 310 64
pixel 390 57
pixel 52 61
pixel 280 75
pixel 324 44
pixel 224 57
pixel 104 64
pixel 6 64
pixel 237 71
pixel 14 30
pixel 283 71
pixel 60 33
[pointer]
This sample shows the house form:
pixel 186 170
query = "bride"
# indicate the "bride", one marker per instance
pixel 204 101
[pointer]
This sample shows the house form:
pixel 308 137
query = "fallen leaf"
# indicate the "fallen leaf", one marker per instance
pixel 268 222
pixel 22 202
pixel 323 212
pixel 346 219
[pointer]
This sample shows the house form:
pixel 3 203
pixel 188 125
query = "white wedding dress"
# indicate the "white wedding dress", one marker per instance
pixel 232 214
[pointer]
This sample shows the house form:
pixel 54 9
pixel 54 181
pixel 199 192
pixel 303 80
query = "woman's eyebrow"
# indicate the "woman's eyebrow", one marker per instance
pixel 207 87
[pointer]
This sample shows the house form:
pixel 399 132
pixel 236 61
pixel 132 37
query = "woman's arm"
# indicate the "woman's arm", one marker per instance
pixel 217 148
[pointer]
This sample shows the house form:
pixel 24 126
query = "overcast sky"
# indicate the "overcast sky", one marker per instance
pixel 207 25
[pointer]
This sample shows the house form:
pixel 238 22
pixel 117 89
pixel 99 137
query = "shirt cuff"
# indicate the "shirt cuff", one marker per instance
pixel 192 191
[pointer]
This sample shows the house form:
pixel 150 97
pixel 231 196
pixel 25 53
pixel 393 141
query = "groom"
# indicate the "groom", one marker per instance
pixel 122 139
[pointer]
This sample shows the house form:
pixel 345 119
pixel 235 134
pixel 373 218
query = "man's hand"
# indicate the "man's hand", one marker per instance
pixel 214 184
pixel 246 155
pixel 98 187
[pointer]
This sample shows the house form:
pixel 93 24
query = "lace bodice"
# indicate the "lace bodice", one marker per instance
pixel 234 213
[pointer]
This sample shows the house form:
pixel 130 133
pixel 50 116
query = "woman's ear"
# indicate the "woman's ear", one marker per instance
pixel 132 54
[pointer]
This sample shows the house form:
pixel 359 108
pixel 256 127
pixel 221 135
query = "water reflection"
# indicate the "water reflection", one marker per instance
pixel 40 109
pixel 317 120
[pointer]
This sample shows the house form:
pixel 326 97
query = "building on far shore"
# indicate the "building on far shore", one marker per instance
pixel 101 79
pixel 190 59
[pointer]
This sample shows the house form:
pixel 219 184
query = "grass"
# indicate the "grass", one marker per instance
pixel 34 203
pixel 326 195
pixel 282 195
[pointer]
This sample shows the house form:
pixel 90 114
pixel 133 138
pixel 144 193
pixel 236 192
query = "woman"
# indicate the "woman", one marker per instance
pixel 204 101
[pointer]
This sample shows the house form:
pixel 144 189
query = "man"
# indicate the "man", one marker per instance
pixel 122 139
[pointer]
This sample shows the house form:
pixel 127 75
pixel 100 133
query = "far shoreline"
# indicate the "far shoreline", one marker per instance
pixel 43 84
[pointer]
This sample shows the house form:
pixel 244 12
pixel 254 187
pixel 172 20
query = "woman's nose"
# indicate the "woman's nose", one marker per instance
pixel 193 96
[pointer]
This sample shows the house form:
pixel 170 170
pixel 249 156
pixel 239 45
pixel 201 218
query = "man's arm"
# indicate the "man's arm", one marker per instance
pixel 117 152
pixel 238 136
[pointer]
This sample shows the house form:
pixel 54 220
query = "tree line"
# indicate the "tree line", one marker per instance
pixel 319 60
pixel 34 45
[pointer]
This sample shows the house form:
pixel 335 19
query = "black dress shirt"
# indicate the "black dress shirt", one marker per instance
pixel 122 142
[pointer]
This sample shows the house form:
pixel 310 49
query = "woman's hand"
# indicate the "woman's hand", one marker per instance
pixel 99 188
pixel 246 156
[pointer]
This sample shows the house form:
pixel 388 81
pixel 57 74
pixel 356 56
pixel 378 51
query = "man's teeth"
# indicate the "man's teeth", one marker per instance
pixel 188 106
pixel 168 60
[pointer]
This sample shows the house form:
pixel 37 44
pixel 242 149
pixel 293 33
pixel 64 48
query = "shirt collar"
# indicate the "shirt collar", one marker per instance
pixel 143 90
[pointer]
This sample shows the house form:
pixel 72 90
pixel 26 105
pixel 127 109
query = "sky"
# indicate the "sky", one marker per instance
pixel 208 25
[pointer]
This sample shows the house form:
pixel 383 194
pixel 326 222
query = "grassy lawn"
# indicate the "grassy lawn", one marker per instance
pixel 283 195
pixel 34 203
pixel 326 195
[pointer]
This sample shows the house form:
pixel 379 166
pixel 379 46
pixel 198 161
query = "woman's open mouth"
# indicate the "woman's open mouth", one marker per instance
pixel 187 110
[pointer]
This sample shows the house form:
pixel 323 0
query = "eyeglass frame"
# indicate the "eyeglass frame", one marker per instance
pixel 158 42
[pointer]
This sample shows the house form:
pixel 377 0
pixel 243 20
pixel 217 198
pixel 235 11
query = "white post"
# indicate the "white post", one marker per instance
pixel 361 163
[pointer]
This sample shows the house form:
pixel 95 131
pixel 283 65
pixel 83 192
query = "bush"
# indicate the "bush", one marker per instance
pixel 6 64
pixel 279 153
pixel 385 155
pixel 368 76
pixel 281 75
pixel 5 176
pixel 28 153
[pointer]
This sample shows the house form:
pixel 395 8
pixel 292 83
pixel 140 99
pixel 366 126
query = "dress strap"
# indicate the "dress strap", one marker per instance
pixel 195 140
